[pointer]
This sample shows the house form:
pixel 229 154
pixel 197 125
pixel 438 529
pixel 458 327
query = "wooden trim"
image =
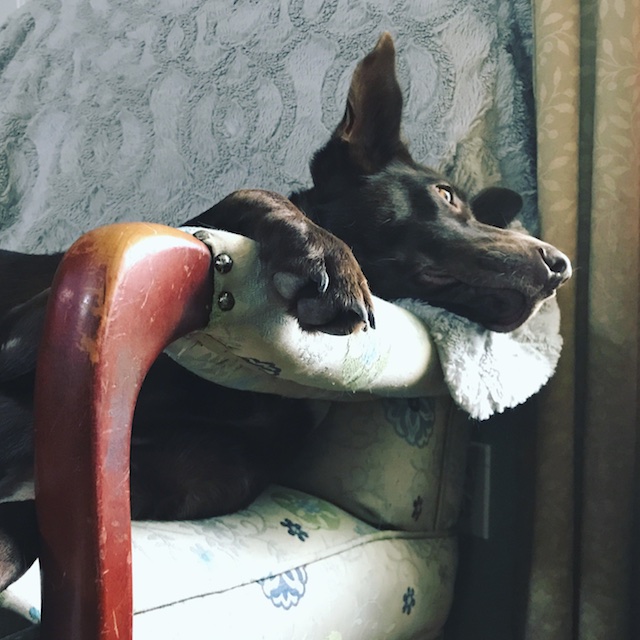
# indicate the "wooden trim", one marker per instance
pixel 121 294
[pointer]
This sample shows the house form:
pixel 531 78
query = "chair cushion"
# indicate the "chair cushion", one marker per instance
pixel 289 559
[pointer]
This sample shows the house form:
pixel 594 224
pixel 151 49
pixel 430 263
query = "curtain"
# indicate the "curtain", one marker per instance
pixel 583 581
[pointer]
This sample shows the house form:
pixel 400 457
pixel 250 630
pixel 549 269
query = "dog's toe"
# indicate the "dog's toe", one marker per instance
pixel 288 284
pixel 292 285
pixel 322 314
pixel 321 278
pixel 362 313
pixel 372 318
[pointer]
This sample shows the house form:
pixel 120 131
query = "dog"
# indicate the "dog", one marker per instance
pixel 374 222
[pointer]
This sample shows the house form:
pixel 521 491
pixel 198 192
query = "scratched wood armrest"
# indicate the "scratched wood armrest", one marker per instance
pixel 121 294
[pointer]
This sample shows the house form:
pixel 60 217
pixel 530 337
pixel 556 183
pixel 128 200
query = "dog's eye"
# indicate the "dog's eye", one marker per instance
pixel 445 192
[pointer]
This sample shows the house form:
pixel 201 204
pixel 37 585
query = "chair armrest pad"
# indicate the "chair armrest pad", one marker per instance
pixel 256 344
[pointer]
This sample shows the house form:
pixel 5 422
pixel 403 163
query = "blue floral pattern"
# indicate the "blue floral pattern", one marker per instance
pixel 315 513
pixel 417 508
pixel 286 589
pixel 412 419
pixel 287 580
pixel 202 553
pixel 295 529
pixel 409 600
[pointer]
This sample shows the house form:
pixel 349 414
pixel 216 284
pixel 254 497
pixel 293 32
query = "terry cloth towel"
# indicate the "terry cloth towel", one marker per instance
pixel 487 372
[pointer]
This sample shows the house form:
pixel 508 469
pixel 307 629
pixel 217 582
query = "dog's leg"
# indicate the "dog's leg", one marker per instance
pixel 310 267
pixel 200 450
pixel 23 275
pixel 18 540
pixel 20 331
pixel 24 283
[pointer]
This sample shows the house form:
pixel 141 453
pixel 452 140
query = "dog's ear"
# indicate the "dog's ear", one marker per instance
pixel 371 122
pixel 496 206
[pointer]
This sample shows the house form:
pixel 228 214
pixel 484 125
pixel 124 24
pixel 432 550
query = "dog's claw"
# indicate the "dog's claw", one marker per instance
pixel 372 319
pixel 322 314
pixel 322 280
pixel 361 311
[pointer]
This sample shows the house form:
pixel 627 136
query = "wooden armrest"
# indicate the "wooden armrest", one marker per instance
pixel 121 294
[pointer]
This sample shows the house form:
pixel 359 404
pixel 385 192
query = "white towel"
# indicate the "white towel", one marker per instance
pixel 488 372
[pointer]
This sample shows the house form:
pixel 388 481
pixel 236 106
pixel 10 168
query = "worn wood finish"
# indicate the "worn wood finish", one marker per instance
pixel 121 294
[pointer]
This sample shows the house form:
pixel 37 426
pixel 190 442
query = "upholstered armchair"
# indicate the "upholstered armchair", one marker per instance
pixel 356 541
pixel 120 110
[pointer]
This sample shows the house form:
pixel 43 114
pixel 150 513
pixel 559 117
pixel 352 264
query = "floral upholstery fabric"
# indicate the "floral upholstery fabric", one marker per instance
pixel 290 566
pixel 394 462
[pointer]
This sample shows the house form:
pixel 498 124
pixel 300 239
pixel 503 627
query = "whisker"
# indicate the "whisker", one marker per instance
pixel 386 259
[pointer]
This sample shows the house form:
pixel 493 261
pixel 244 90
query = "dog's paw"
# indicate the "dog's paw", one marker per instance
pixel 320 278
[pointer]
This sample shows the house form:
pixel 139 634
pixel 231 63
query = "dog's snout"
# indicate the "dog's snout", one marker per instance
pixel 559 265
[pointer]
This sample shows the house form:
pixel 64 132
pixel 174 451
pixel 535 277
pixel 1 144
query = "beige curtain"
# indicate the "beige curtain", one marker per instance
pixel 584 574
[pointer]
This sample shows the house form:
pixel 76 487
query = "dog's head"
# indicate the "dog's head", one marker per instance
pixel 414 233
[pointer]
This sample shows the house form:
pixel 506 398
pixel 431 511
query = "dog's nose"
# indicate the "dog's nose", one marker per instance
pixel 557 262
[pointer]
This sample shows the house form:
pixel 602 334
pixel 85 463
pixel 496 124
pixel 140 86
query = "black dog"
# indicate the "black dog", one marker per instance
pixel 412 233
